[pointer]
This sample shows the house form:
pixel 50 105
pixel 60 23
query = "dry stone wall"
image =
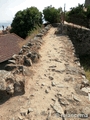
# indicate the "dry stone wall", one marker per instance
pixel 12 78
pixel 80 38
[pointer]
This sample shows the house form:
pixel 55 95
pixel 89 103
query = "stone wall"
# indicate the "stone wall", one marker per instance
pixel 80 38
pixel 12 77
pixel 87 2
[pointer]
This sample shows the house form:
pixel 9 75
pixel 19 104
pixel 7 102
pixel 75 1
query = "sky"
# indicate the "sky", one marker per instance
pixel 8 8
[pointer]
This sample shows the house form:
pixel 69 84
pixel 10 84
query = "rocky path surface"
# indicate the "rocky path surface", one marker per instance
pixel 58 89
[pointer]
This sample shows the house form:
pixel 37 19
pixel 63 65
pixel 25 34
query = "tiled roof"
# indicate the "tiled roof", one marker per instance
pixel 9 45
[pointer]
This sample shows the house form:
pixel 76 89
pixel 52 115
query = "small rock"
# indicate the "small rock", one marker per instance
pixel 53 99
pixel 51 78
pixel 14 57
pixel 80 91
pixel 10 67
pixel 11 61
pixel 76 59
pixel 60 71
pixel 39 35
pixel 43 113
pixel 49 115
pixel 27 61
pixel 25 46
pixel 59 93
pixel 20 117
pixel 49 87
pixel 45 75
pixel 71 110
pixel 46 91
pixel 32 95
pixel 29 54
pixel 26 71
pixel 35 57
pixel 47 28
pixel 30 44
pixel 68 78
pixel 57 107
pixel 86 89
pixel 89 96
pixel 23 112
pixel 52 66
pixel 10 89
pixel 21 52
pixel 63 101
pixel 19 86
pixel 78 63
pixel 30 110
pixel 43 84
pixel 83 76
pixel 76 98
pixel 53 84
pixel 61 86
pixel 85 83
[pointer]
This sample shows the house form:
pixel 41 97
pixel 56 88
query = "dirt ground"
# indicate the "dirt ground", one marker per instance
pixel 52 89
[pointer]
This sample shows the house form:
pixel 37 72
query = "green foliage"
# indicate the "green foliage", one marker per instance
pixel 77 11
pixel 77 15
pixel 52 14
pixel 25 21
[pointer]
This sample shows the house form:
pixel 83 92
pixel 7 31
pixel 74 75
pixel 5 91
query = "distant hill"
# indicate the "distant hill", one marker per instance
pixel 87 2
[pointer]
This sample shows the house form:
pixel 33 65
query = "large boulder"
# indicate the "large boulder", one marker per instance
pixel 6 82
pixel 10 83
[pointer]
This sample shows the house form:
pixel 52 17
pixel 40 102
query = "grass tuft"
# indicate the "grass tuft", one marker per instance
pixel 31 35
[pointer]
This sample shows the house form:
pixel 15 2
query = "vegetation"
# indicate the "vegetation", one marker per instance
pixel 31 36
pixel 25 21
pixel 30 19
pixel 52 14
pixel 79 15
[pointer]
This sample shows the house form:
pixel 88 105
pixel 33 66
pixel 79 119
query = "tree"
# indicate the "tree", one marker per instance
pixel 25 21
pixel 77 15
pixel 52 14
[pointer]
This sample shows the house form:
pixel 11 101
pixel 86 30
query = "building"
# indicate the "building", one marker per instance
pixel 9 45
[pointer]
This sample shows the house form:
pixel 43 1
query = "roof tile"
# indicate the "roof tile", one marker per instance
pixel 9 45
